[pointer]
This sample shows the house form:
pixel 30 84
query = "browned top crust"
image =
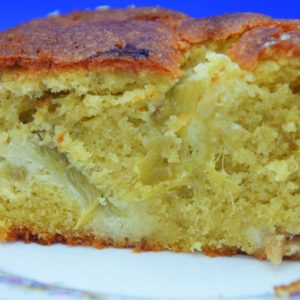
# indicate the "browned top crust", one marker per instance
pixel 141 39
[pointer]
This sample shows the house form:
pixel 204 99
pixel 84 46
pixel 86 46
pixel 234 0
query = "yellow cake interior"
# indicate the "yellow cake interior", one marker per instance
pixel 210 159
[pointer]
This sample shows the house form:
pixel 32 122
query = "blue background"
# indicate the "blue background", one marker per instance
pixel 14 12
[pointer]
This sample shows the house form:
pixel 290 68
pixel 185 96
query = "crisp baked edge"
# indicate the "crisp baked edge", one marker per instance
pixel 24 234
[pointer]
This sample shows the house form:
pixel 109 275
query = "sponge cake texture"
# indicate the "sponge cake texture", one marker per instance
pixel 146 128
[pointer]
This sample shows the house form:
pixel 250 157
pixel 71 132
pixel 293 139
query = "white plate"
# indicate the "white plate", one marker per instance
pixel 61 272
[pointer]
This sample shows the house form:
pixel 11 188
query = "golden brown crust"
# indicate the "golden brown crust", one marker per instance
pixel 140 39
pixel 196 31
pixel 272 40
pixel 228 251
pixel 133 38
pixel 170 18
pixel 26 235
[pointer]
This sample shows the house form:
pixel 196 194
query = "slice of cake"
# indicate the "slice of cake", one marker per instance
pixel 146 128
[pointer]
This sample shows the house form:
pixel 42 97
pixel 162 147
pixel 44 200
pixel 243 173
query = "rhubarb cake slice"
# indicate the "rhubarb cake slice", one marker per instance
pixel 143 127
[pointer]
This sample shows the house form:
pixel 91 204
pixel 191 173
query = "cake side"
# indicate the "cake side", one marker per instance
pixel 199 156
